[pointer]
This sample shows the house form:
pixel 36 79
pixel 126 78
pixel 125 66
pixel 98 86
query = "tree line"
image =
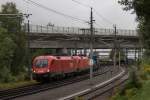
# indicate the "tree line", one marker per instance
pixel 142 10
pixel 12 43
pixel 13 49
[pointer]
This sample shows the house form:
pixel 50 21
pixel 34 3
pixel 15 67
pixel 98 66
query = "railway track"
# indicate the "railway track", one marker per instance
pixel 97 91
pixel 32 89
pixel 111 88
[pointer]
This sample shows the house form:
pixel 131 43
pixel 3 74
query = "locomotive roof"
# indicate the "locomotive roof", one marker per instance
pixel 51 56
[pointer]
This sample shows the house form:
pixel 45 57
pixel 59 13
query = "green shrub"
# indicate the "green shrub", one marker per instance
pixel 21 76
pixel 135 78
pixel 144 76
pixel 6 76
pixel 130 92
pixel 129 85
pixel 117 96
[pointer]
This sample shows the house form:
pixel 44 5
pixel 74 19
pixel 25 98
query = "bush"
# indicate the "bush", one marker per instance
pixel 144 76
pixel 131 87
pixel 130 92
pixel 138 77
pixel 136 80
pixel 21 76
pixel 6 76
pixel 117 96
pixel 145 70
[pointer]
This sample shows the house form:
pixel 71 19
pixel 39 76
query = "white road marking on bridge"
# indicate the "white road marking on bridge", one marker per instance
pixel 93 87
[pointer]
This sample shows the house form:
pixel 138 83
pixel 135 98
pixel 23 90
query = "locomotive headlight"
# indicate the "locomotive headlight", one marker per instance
pixel 48 70
pixel 33 70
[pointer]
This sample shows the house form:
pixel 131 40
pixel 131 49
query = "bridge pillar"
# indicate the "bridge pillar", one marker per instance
pixel 72 52
pixel 141 53
pixel 80 51
pixel 61 51
pixel 138 55
pixel 126 55
pixel 84 52
pixel 135 57
pixel 75 51
pixel 69 51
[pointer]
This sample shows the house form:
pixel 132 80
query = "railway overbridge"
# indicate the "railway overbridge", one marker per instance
pixel 71 37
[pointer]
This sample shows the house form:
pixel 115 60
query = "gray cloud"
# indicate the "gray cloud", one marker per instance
pixel 110 9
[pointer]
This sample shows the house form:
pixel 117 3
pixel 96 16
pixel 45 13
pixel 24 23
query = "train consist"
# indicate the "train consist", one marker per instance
pixel 46 67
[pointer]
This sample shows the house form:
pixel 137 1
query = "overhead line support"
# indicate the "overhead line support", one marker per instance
pixel 28 47
pixel 91 43
pixel 115 37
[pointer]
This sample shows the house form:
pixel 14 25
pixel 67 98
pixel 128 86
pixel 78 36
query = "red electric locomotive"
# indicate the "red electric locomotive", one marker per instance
pixel 50 66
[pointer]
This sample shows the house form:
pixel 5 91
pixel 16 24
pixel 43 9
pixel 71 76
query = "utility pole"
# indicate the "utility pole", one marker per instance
pixel 115 32
pixel 28 47
pixel 126 52
pixel 91 43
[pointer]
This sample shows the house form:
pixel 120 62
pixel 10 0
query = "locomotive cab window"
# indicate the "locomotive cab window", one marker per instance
pixel 41 63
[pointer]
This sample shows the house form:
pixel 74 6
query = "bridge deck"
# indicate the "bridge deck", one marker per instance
pixel 70 37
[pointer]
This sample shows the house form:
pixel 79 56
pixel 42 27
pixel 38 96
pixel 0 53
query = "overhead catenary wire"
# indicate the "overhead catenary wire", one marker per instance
pixel 98 14
pixel 54 11
pixel 101 16
pixel 98 25
pixel 81 4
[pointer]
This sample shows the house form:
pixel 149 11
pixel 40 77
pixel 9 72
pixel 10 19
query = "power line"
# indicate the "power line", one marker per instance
pixel 54 11
pixel 102 17
pixel 81 4
pixel 94 11
pixel 98 25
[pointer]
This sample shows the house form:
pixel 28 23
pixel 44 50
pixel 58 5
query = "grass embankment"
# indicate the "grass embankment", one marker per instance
pixel 11 85
pixel 143 93
pixel 134 93
pixel 138 87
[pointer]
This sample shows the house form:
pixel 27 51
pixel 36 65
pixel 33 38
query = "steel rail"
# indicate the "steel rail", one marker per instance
pixel 18 92
pixel 94 93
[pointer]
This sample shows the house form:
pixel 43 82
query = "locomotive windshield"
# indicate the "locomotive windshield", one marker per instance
pixel 41 63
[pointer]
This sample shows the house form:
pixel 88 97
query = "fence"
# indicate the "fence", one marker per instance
pixel 75 30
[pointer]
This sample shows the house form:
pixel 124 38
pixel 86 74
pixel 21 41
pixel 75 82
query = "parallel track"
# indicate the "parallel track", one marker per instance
pixel 91 95
pixel 32 89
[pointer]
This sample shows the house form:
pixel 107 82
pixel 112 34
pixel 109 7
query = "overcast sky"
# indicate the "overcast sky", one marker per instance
pixel 109 9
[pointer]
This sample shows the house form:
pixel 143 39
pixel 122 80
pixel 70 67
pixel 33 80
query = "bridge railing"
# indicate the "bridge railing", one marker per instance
pixel 53 29
pixel 75 30
pixel 120 32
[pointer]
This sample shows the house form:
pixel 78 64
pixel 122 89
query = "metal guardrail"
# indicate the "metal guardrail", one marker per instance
pixel 76 30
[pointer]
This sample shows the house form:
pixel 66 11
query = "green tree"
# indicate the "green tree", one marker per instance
pixel 7 48
pixel 142 9
pixel 11 23
pixel 13 26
